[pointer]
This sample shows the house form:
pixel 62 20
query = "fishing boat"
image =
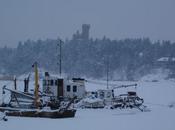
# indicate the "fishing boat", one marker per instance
pixel 33 105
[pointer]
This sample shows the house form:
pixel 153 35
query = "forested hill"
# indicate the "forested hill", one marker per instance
pixel 125 59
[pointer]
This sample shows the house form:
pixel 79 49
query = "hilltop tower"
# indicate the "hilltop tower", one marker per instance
pixel 85 31
pixel 84 35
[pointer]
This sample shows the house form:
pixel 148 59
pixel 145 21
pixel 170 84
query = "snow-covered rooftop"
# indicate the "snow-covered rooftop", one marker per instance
pixel 163 59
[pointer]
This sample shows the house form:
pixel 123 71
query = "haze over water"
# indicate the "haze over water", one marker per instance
pixel 40 19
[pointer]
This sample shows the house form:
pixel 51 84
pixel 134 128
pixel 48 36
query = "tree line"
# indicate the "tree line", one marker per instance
pixel 125 59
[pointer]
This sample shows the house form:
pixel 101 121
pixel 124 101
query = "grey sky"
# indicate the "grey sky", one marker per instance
pixel 40 19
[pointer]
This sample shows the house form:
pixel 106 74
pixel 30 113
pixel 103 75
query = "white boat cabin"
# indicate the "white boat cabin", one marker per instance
pixel 64 88
pixel 106 95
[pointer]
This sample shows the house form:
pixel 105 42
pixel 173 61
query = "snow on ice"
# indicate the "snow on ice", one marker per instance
pixel 159 96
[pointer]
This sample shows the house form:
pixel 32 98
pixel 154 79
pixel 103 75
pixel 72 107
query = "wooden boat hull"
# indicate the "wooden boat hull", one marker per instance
pixel 41 114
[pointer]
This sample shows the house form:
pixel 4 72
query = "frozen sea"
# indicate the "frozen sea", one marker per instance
pixel 158 97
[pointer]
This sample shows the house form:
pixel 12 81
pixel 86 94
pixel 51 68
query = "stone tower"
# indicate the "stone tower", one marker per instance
pixel 85 31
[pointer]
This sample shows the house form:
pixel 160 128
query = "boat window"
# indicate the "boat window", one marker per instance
pixel 108 94
pixel 56 82
pixel 101 94
pixel 51 82
pixel 68 88
pixel 74 88
pixel 113 93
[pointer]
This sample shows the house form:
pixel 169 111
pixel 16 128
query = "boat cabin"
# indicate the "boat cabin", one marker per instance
pixel 106 95
pixel 63 88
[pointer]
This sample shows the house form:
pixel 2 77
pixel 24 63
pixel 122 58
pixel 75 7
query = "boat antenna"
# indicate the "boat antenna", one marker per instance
pixel 107 71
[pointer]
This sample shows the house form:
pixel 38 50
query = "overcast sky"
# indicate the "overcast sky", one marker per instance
pixel 117 19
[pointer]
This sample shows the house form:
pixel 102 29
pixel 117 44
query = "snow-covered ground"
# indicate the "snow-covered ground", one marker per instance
pixel 158 96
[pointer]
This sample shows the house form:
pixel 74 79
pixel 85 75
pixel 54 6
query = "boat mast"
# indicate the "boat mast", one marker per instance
pixel 36 102
pixel 60 55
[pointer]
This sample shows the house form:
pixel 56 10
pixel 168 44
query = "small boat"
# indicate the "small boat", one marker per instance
pixel 34 106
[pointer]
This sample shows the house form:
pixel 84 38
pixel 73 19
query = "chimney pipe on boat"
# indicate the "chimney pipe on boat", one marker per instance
pixel 37 101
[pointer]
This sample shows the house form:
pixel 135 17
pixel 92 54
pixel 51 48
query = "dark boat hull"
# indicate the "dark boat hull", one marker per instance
pixel 41 114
